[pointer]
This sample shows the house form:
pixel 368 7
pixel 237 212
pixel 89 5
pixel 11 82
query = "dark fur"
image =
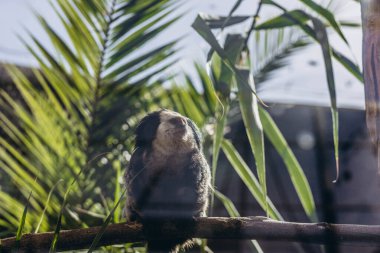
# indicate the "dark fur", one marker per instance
pixel 161 196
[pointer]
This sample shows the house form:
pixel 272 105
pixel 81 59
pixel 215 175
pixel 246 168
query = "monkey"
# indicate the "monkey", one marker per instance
pixel 168 178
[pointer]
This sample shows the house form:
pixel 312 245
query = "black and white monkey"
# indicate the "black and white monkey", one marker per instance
pixel 168 177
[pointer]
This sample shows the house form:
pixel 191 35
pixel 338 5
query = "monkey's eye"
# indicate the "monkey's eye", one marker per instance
pixel 178 121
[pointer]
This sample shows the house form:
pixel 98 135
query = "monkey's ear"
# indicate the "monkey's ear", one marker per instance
pixel 197 134
pixel 147 128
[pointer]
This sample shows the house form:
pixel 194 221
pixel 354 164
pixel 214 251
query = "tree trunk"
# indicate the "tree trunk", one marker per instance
pixel 371 67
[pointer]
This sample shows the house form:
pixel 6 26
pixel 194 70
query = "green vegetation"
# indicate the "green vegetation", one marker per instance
pixel 73 129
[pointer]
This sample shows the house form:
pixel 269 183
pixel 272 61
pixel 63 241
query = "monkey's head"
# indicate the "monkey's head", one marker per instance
pixel 169 131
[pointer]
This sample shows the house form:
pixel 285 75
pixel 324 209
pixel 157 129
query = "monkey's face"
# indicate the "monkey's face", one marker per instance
pixel 174 133
pixel 173 126
pixel 168 131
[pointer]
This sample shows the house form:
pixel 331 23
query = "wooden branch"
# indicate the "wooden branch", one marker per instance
pixel 259 228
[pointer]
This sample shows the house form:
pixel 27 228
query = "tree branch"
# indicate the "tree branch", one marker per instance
pixel 259 228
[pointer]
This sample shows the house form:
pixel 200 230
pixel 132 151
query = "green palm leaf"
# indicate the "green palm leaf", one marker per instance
pixel 90 87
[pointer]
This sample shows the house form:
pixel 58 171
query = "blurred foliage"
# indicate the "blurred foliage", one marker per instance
pixel 73 129
pixel 91 91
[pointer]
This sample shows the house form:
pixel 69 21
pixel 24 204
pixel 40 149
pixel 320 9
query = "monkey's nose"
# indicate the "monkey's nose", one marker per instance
pixel 178 121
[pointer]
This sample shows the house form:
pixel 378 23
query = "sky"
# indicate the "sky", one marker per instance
pixel 302 81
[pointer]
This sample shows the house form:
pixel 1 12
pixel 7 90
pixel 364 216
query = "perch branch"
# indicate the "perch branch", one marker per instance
pixel 259 228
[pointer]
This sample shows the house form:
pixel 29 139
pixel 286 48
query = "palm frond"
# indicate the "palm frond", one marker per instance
pixel 90 84
pixel 272 50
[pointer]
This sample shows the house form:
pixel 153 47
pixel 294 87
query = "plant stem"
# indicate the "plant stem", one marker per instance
pixel 255 17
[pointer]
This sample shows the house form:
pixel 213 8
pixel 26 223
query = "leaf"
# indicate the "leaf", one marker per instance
pixel 106 223
pixel 347 63
pixel 110 215
pixel 222 22
pixel 9 207
pixel 228 204
pixel 220 123
pixel 249 179
pixel 327 15
pixel 219 22
pixel 234 8
pixel 117 166
pixel 295 171
pixel 203 30
pixel 140 60
pixel 251 118
pixel 283 20
pixel 137 13
pixel 22 220
pixel 233 212
pixel 59 220
pixel 326 50
pixel 248 103
pixel 276 58
pixel 189 107
pixel 62 46
pixel 208 88
pixel 64 203
pixel 198 98
pixel 46 205
pixel 136 39
pixel 349 24
pixel 222 78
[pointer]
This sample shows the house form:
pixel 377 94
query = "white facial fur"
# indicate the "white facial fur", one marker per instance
pixel 171 139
